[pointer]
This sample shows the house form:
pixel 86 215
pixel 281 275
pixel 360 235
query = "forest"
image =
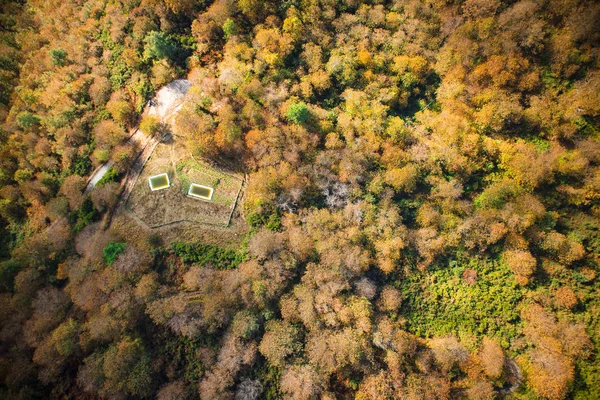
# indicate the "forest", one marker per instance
pixel 420 217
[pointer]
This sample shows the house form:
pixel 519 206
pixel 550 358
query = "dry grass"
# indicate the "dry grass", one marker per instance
pixel 156 208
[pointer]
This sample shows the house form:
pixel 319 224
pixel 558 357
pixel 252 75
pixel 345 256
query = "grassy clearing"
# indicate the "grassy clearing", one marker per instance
pixel 172 204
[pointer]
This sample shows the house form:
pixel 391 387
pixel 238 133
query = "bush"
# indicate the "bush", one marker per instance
pixel 112 250
pixel 207 254
pixel 298 113
pixel 271 221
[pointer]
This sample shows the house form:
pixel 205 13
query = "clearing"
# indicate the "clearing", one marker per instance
pixel 157 208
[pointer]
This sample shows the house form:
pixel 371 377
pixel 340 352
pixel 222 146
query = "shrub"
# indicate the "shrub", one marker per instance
pixel 442 304
pixel 271 221
pixel 112 250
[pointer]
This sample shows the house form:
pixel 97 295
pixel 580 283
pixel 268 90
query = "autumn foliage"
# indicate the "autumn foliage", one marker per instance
pixel 419 218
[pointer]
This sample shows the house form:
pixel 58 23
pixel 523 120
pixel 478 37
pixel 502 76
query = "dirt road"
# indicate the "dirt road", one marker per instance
pixel 166 103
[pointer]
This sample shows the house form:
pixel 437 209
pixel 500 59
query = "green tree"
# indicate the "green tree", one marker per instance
pixel 8 271
pixel 59 57
pixel 27 120
pixel 229 28
pixel 158 46
pixel 127 369
pixel 298 113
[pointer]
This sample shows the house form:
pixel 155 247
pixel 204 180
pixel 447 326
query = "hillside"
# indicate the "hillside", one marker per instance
pixel 404 199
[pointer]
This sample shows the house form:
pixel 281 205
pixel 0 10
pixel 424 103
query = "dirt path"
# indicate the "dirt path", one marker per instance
pixel 96 176
pixel 165 104
pixel 146 146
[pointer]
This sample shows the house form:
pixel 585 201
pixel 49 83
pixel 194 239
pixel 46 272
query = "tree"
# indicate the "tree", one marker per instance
pixel 126 368
pixel 377 386
pixel 301 382
pixel 173 391
pixel 279 342
pixel 123 157
pixel 390 299
pixel 249 390
pixel 27 120
pixel 492 358
pixel 150 125
pixel 298 113
pixel 403 179
pixel 158 46
pixel 448 352
pixel 107 133
pixel 147 287
pixel 180 6
pixel 100 90
pixel 564 249
pixel 234 355
pixel 549 366
pixel 8 271
pixel 330 351
pixel 244 325
pixel 58 56
pixel 481 390
pixel 112 251
pixel 55 351
pixel 229 28
pixel 521 263
pixel 565 297
pixel 122 112
pixel 57 207
pixel 106 196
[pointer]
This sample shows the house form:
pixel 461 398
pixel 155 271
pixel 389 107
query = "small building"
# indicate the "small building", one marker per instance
pixel 159 182
pixel 200 192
